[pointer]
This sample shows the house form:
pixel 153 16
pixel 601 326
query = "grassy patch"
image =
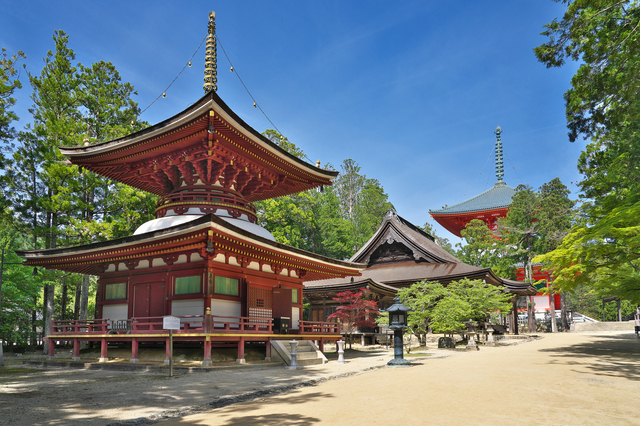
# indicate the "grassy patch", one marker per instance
pixel 417 355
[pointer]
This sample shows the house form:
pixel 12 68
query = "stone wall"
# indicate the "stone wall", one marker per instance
pixel 605 326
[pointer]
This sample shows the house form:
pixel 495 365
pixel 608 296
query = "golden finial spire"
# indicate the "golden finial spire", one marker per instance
pixel 211 58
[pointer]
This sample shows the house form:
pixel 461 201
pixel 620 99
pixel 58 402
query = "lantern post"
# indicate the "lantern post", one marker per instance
pixel 398 323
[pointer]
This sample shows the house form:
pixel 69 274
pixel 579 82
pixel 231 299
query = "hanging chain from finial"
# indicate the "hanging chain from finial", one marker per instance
pixel 211 58
pixel 499 163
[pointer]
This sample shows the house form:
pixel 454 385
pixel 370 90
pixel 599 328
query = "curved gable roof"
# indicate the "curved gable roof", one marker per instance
pixel 396 229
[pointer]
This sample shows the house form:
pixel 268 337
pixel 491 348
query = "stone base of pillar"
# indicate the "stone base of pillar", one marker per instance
pixel 293 367
pixel 166 362
pixel 207 363
pixel 399 362
pixel 134 360
pixel 241 361
pixel 75 358
pixel 267 358
pixel 490 344
pixel 103 359
pixel 51 358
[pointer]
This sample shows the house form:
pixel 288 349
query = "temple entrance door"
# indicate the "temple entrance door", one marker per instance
pixel 148 300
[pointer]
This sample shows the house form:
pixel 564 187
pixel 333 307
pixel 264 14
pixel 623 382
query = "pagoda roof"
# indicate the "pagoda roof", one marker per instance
pixel 206 132
pixel 499 196
pixel 190 236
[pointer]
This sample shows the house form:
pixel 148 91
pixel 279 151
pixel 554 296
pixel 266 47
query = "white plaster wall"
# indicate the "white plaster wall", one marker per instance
pixel 226 308
pixel 181 308
pixel 115 312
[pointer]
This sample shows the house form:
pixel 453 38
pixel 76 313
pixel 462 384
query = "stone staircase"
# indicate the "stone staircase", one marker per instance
pixel 308 352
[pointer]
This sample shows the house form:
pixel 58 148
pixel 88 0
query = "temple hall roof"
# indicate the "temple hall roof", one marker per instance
pixel 499 196
pixel 400 254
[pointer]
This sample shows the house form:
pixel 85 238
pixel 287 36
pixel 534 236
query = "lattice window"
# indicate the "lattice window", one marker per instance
pixel 260 302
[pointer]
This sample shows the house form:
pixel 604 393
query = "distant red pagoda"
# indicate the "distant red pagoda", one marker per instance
pixel 204 258
pixel 488 206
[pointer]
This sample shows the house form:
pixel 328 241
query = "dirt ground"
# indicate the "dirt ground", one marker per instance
pixel 576 378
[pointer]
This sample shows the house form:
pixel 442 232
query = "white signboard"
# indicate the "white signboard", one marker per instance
pixel 171 323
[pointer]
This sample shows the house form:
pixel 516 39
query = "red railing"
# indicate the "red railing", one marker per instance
pixel 236 324
pixel 317 327
pixel 188 324
pixel 153 325
pixel 99 326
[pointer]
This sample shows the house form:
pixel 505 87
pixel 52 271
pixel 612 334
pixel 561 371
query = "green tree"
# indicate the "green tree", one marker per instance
pixel 604 36
pixel 484 249
pixel 446 308
pixel 441 241
pixel 603 104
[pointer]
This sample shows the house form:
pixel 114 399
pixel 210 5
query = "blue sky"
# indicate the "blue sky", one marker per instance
pixel 411 90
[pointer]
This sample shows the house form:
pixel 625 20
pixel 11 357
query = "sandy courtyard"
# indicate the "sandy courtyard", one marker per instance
pixel 562 379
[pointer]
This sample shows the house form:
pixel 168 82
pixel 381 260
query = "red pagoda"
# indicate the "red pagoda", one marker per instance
pixel 488 206
pixel 204 258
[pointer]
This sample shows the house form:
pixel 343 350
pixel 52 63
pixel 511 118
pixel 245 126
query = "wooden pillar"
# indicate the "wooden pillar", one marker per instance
pixel 76 350
pixel 167 356
pixel 134 351
pixel 321 345
pixel 52 348
pixel 268 351
pixel 103 350
pixel 240 359
pixel 513 329
pixel 206 360
pixel 619 312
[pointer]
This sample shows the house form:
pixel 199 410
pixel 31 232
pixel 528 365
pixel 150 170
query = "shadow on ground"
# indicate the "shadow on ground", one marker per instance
pixel 610 355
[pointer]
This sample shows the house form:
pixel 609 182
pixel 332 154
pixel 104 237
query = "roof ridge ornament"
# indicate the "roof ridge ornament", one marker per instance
pixel 498 158
pixel 211 58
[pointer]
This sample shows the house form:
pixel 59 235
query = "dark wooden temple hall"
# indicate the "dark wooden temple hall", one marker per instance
pixel 398 255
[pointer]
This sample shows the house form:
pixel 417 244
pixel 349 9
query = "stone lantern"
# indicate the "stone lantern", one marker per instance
pixel 398 322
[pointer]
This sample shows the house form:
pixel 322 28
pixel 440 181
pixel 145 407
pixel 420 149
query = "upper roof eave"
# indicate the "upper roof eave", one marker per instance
pixel 210 101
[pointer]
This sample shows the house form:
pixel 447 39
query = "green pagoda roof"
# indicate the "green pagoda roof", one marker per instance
pixel 499 196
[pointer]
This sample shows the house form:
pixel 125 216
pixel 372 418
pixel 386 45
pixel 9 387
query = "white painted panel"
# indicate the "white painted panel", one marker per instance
pixel 195 257
pixel 158 262
pixel 267 268
pixel 181 259
pixel 144 263
pixel 541 303
pixel 181 308
pixel 285 272
pixel 295 317
pixel 111 268
pixel 219 258
pixel 115 312
pixel 226 308
pixel 122 267
pixel 254 265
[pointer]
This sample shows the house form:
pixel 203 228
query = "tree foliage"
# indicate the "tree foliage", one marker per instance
pixel 602 104
pixel 333 221
pixel 485 250
pixel 355 311
pixel 445 308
